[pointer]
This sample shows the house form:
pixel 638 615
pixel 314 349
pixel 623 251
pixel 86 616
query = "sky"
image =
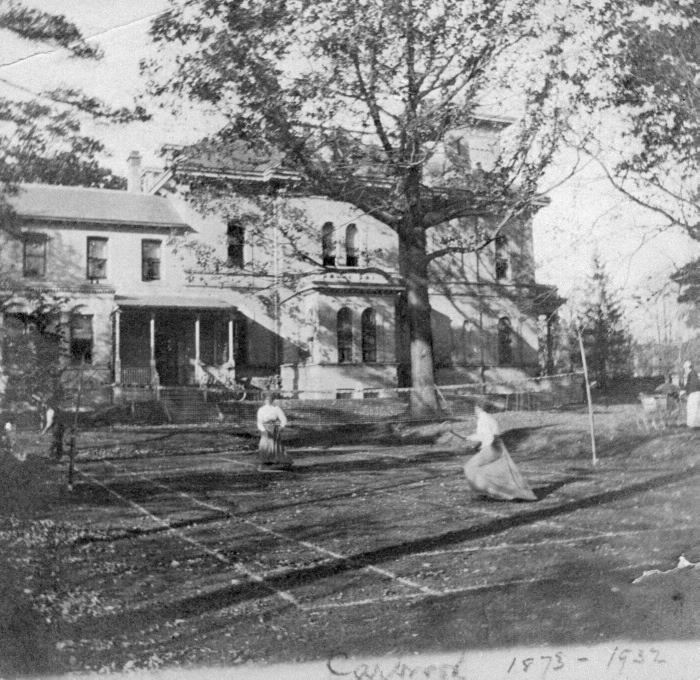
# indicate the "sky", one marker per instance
pixel 584 215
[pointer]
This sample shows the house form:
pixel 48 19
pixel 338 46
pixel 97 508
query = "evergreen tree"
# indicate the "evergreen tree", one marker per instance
pixel 600 318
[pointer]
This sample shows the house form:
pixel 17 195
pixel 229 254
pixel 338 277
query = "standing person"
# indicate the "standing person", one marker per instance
pixel 54 421
pixel 491 471
pixel 9 440
pixel 691 388
pixel 271 422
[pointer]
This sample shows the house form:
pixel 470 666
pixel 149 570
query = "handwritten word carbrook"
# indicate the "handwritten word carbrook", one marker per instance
pixel 339 665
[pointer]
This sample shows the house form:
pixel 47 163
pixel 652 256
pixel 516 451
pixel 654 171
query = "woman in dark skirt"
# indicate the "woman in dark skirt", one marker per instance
pixel 271 422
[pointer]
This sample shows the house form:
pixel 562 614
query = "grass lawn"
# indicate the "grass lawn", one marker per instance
pixel 173 550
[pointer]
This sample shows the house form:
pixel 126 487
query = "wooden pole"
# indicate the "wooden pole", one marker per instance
pixel 74 428
pixel 588 394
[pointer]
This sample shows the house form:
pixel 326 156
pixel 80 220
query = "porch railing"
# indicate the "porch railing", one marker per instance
pixel 136 376
pixel 214 376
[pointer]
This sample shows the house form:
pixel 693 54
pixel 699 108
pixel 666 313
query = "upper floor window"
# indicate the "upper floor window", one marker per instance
pixel 150 260
pixel 352 253
pixel 81 339
pixel 344 336
pixel 34 266
pixel 369 336
pixel 96 258
pixel 235 240
pixel 505 341
pixel 502 258
pixel 328 244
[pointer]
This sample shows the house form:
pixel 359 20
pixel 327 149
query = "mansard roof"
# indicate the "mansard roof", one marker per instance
pixel 236 159
pixel 81 205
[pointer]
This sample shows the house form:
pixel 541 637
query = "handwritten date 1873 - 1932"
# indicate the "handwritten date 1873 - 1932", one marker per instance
pixel 557 661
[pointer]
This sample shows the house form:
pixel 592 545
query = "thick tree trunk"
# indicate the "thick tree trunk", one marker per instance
pixel 414 270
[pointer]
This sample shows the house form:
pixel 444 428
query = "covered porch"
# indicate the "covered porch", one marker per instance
pixel 176 341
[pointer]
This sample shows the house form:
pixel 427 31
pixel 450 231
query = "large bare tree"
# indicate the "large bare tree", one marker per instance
pixel 647 138
pixel 358 96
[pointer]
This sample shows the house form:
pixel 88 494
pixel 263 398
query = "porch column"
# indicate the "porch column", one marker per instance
pixel 199 374
pixel 551 320
pixel 117 348
pixel 196 338
pixel 230 341
pixel 3 380
pixel 152 340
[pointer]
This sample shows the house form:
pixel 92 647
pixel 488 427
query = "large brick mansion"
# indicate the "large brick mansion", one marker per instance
pixel 319 308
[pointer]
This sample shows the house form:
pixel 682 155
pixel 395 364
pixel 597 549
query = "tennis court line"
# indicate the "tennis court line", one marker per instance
pixel 450 591
pixel 200 546
pixel 438 594
pixel 312 546
pixel 552 541
pixel 174 470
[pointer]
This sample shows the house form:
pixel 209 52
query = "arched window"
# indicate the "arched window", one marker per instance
pixel 235 240
pixel 352 255
pixel 344 336
pixel 369 336
pixel 328 244
pixel 505 341
pixel 502 258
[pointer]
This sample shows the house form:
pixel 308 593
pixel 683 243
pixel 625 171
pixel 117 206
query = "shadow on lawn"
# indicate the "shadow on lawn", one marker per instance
pixel 121 534
pixel 85 450
pixel 140 490
pixel 372 434
pixel 547 489
pixel 295 578
pixel 194 482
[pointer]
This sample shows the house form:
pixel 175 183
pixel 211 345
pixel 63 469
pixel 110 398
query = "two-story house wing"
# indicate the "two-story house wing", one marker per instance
pixel 110 261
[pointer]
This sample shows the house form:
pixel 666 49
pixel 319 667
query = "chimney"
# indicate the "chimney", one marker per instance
pixel 133 178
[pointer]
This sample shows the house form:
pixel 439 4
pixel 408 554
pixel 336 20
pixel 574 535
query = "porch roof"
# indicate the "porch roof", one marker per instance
pixel 173 301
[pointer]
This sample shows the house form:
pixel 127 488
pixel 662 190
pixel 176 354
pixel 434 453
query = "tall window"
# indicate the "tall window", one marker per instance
pixel 81 339
pixel 34 256
pixel 369 336
pixel 352 254
pixel 470 343
pixel 96 258
pixel 235 238
pixel 344 336
pixel 502 258
pixel 505 341
pixel 150 260
pixel 328 244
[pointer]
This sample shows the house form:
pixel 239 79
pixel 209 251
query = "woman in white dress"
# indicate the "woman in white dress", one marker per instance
pixel 491 471
pixel 271 422
pixel 691 388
